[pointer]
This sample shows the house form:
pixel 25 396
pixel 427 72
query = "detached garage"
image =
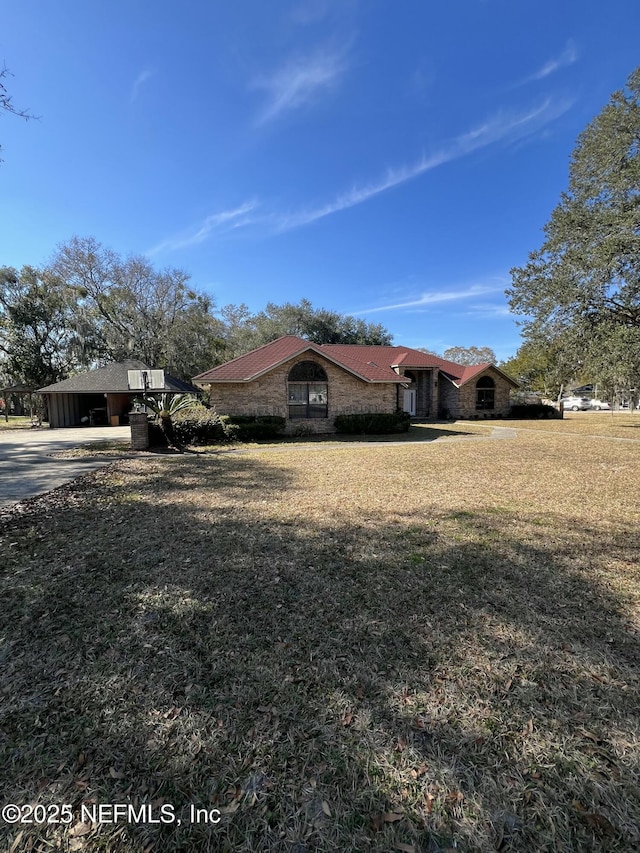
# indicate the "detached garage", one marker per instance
pixel 104 397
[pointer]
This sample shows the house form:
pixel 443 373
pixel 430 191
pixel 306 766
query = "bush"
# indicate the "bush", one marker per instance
pixel 254 427
pixel 373 423
pixel 199 425
pixel 533 410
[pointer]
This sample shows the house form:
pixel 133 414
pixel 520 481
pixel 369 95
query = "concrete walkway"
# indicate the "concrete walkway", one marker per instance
pixel 28 469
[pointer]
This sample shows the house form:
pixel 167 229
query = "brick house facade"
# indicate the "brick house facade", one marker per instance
pixel 310 384
pixel 267 395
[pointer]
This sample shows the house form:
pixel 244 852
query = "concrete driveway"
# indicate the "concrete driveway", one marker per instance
pixel 27 469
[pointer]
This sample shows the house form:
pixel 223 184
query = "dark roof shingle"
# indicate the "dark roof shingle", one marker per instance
pixel 114 379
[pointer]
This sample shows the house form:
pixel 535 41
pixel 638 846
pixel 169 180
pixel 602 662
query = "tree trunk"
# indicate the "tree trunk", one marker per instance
pixel 167 428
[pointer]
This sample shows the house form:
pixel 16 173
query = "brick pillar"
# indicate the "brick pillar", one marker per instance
pixel 139 430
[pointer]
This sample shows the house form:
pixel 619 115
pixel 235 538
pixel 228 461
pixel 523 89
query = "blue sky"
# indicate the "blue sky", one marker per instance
pixel 387 159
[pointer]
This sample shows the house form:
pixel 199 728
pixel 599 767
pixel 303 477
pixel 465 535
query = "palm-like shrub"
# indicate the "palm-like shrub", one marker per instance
pixel 165 407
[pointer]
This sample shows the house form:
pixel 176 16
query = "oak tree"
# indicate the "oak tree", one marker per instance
pixel 587 270
pixel 136 311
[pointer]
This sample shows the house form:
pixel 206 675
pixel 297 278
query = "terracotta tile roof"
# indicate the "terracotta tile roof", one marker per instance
pixel 252 364
pixel 461 373
pixel 465 373
pixel 370 363
pixel 472 370
pixel 395 357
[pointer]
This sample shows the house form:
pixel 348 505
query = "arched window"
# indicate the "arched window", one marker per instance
pixel 307 390
pixel 485 394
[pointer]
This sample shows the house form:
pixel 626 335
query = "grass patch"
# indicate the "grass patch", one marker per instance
pixel 15 422
pixel 427 431
pixel 108 447
pixel 373 648
pixel 608 424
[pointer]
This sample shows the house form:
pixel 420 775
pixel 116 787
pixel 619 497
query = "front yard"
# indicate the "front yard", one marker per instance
pixel 338 648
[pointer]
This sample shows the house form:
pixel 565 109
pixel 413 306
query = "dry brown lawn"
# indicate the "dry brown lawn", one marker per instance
pixel 347 648
pixel 610 424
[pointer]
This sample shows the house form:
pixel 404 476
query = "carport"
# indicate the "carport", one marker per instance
pixel 102 397
pixel 17 393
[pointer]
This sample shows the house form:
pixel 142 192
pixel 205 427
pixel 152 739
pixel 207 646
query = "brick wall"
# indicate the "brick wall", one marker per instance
pixel 501 396
pixel 461 402
pixel 448 399
pixel 268 396
pixel 139 430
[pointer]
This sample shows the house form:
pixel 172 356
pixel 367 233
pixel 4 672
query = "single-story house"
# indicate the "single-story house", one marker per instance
pixel 104 396
pixel 313 383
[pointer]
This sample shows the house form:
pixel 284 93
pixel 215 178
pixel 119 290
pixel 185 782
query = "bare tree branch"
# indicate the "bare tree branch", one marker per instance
pixel 6 102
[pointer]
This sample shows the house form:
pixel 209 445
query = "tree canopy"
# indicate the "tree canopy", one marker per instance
pixel 470 355
pixel 544 366
pixel 39 343
pixel 245 331
pixel 586 275
pixel 135 311
pixel 90 306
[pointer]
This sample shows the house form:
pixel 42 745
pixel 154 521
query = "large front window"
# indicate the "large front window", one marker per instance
pixel 307 390
pixel 485 394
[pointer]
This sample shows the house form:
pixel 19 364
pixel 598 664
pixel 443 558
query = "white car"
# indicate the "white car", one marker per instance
pixel 600 405
pixel 575 404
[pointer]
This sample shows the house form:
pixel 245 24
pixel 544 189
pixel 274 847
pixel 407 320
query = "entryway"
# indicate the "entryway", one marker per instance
pixel 409 402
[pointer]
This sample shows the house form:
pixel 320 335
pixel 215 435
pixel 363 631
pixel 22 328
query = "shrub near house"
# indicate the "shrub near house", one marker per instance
pixel 373 424
pixel 201 426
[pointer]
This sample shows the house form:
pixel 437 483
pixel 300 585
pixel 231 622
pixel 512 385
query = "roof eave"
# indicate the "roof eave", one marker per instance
pixel 202 377
pixel 309 348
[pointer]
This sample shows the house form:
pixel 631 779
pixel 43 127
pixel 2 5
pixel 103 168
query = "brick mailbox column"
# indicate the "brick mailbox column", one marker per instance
pixel 139 430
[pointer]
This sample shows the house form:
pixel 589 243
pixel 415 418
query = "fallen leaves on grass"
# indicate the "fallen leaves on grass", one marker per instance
pixel 432 636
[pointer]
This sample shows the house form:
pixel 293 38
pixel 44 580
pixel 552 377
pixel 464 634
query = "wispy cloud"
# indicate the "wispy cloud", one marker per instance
pixel 502 127
pixel 438 297
pixel 140 80
pixel 490 310
pixel 216 223
pixel 568 56
pixel 299 82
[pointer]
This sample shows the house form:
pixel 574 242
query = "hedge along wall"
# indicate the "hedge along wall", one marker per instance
pixel 268 396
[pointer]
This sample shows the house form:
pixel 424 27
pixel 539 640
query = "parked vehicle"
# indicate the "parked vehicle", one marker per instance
pixel 575 404
pixel 600 405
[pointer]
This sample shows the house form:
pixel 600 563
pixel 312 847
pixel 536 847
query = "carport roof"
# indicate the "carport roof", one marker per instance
pixel 114 379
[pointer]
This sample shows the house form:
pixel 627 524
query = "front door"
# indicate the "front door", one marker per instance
pixel 409 402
